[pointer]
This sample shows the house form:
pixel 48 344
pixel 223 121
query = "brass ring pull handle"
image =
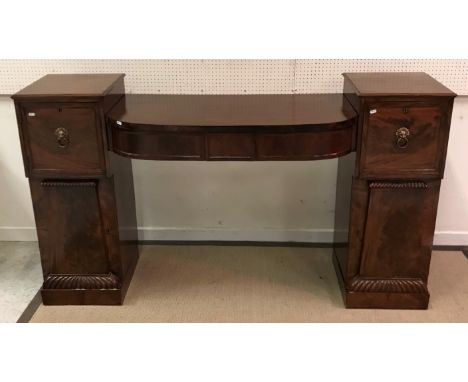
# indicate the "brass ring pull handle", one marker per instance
pixel 402 135
pixel 62 137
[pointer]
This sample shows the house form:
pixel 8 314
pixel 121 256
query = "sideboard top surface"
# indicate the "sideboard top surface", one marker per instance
pixel 69 85
pixel 397 84
pixel 233 110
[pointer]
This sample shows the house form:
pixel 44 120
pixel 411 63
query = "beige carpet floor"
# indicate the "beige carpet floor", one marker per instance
pixel 258 284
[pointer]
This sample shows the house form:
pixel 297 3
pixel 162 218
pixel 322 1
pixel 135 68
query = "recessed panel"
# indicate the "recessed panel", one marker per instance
pixel 63 138
pixel 230 146
pixel 402 140
pixel 399 229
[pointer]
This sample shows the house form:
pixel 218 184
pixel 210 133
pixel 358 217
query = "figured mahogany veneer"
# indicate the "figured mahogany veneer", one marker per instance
pixel 83 150
pixel 232 127
pixel 83 196
pixel 424 154
pixel 389 132
pixel 387 192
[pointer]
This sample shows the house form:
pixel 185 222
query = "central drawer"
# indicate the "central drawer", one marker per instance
pixel 230 146
pixel 403 140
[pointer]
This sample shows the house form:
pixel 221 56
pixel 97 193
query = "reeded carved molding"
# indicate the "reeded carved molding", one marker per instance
pixel 397 185
pixel 396 285
pixel 47 183
pixel 106 281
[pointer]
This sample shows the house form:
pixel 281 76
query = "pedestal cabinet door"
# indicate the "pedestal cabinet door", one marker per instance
pixel 399 229
pixel 74 228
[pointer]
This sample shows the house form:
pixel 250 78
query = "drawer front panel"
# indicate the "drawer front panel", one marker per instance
pixel 403 140
pixel 63 138
pixel 164 146
pixel 230 146
pixel 304 146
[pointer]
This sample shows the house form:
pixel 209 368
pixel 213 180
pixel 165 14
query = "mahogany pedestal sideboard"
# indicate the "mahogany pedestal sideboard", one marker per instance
pixel 390 131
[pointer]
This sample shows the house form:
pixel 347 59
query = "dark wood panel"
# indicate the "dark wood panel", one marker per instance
pixel 379 299
pixel 74 228
pixel 113 95
pixel 122 208
pixel 230 146
pixel 279 110
pixel 420 154
pixel 396 84
pixel 81 296
pixel 357 224
pixel 68 86
pixel 350 219
pixel 263 127
pixel 386 263
pixel 399 229
pixel 293 146
pixel 344 187
pixel 158 146
pixel 385 300
pixel 79 150
pixel 304 146
pixel 87 237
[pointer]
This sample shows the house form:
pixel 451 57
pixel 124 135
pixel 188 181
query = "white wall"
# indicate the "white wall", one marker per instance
pixel 278 201
pixel 16 214
pixel 452 218
pixel 231 76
